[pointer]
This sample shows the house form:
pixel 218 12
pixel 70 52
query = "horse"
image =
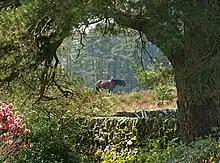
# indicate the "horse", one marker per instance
pixel 109 84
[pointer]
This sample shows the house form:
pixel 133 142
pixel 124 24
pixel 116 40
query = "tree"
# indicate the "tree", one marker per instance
pixel 187 32
pixel 30 34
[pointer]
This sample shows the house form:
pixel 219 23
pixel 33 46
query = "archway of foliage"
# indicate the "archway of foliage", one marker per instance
pixel 186 31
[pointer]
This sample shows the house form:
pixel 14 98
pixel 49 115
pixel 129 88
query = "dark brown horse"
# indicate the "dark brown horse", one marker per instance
pixel 109 84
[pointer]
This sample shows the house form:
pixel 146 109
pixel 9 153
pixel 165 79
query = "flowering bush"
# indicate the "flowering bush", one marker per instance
pixel 13 134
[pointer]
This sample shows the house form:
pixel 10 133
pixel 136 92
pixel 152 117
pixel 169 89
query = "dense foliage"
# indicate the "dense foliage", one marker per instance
pixel 58 128
pixel 29 42
pixel 203 151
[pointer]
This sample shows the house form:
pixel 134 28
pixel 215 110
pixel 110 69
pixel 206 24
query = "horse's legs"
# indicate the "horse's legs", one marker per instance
pixel 110 91
pixel 97 89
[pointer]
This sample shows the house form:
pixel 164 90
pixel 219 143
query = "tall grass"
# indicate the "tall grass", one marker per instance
pixel 138 100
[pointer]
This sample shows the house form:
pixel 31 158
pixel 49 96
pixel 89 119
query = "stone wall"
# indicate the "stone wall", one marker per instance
pixel 127 133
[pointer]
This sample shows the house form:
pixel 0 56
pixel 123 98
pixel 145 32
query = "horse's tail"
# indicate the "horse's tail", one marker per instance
pixel 98 81
pixel 97 85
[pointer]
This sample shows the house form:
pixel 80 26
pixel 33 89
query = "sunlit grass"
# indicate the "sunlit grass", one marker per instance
pixel 139 100
pixel 104 104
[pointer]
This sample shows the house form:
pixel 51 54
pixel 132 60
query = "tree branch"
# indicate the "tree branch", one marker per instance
pixel 137 22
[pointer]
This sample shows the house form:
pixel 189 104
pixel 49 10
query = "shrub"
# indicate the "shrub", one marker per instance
pixel 58 135
pixel 151 77
pixel 13 134
pixel 159 79
pixel 162 92
pixel 136 95
pixel 59 128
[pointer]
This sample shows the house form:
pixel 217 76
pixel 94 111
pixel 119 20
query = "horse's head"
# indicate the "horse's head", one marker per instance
pixel 118 82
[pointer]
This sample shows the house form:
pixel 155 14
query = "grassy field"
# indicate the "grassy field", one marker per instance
pixel 138 100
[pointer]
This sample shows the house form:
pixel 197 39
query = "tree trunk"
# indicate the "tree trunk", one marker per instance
pixel 108 76
pixel 197 102
pixel 114 67
pixel 197 78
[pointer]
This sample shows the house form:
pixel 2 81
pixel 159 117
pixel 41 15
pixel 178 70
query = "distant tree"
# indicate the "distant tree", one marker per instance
pixel 112 57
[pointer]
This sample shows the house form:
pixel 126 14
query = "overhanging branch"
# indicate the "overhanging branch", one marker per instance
pixel 136 22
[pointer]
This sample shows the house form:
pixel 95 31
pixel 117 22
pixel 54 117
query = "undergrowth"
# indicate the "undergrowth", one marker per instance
pixel 202 150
